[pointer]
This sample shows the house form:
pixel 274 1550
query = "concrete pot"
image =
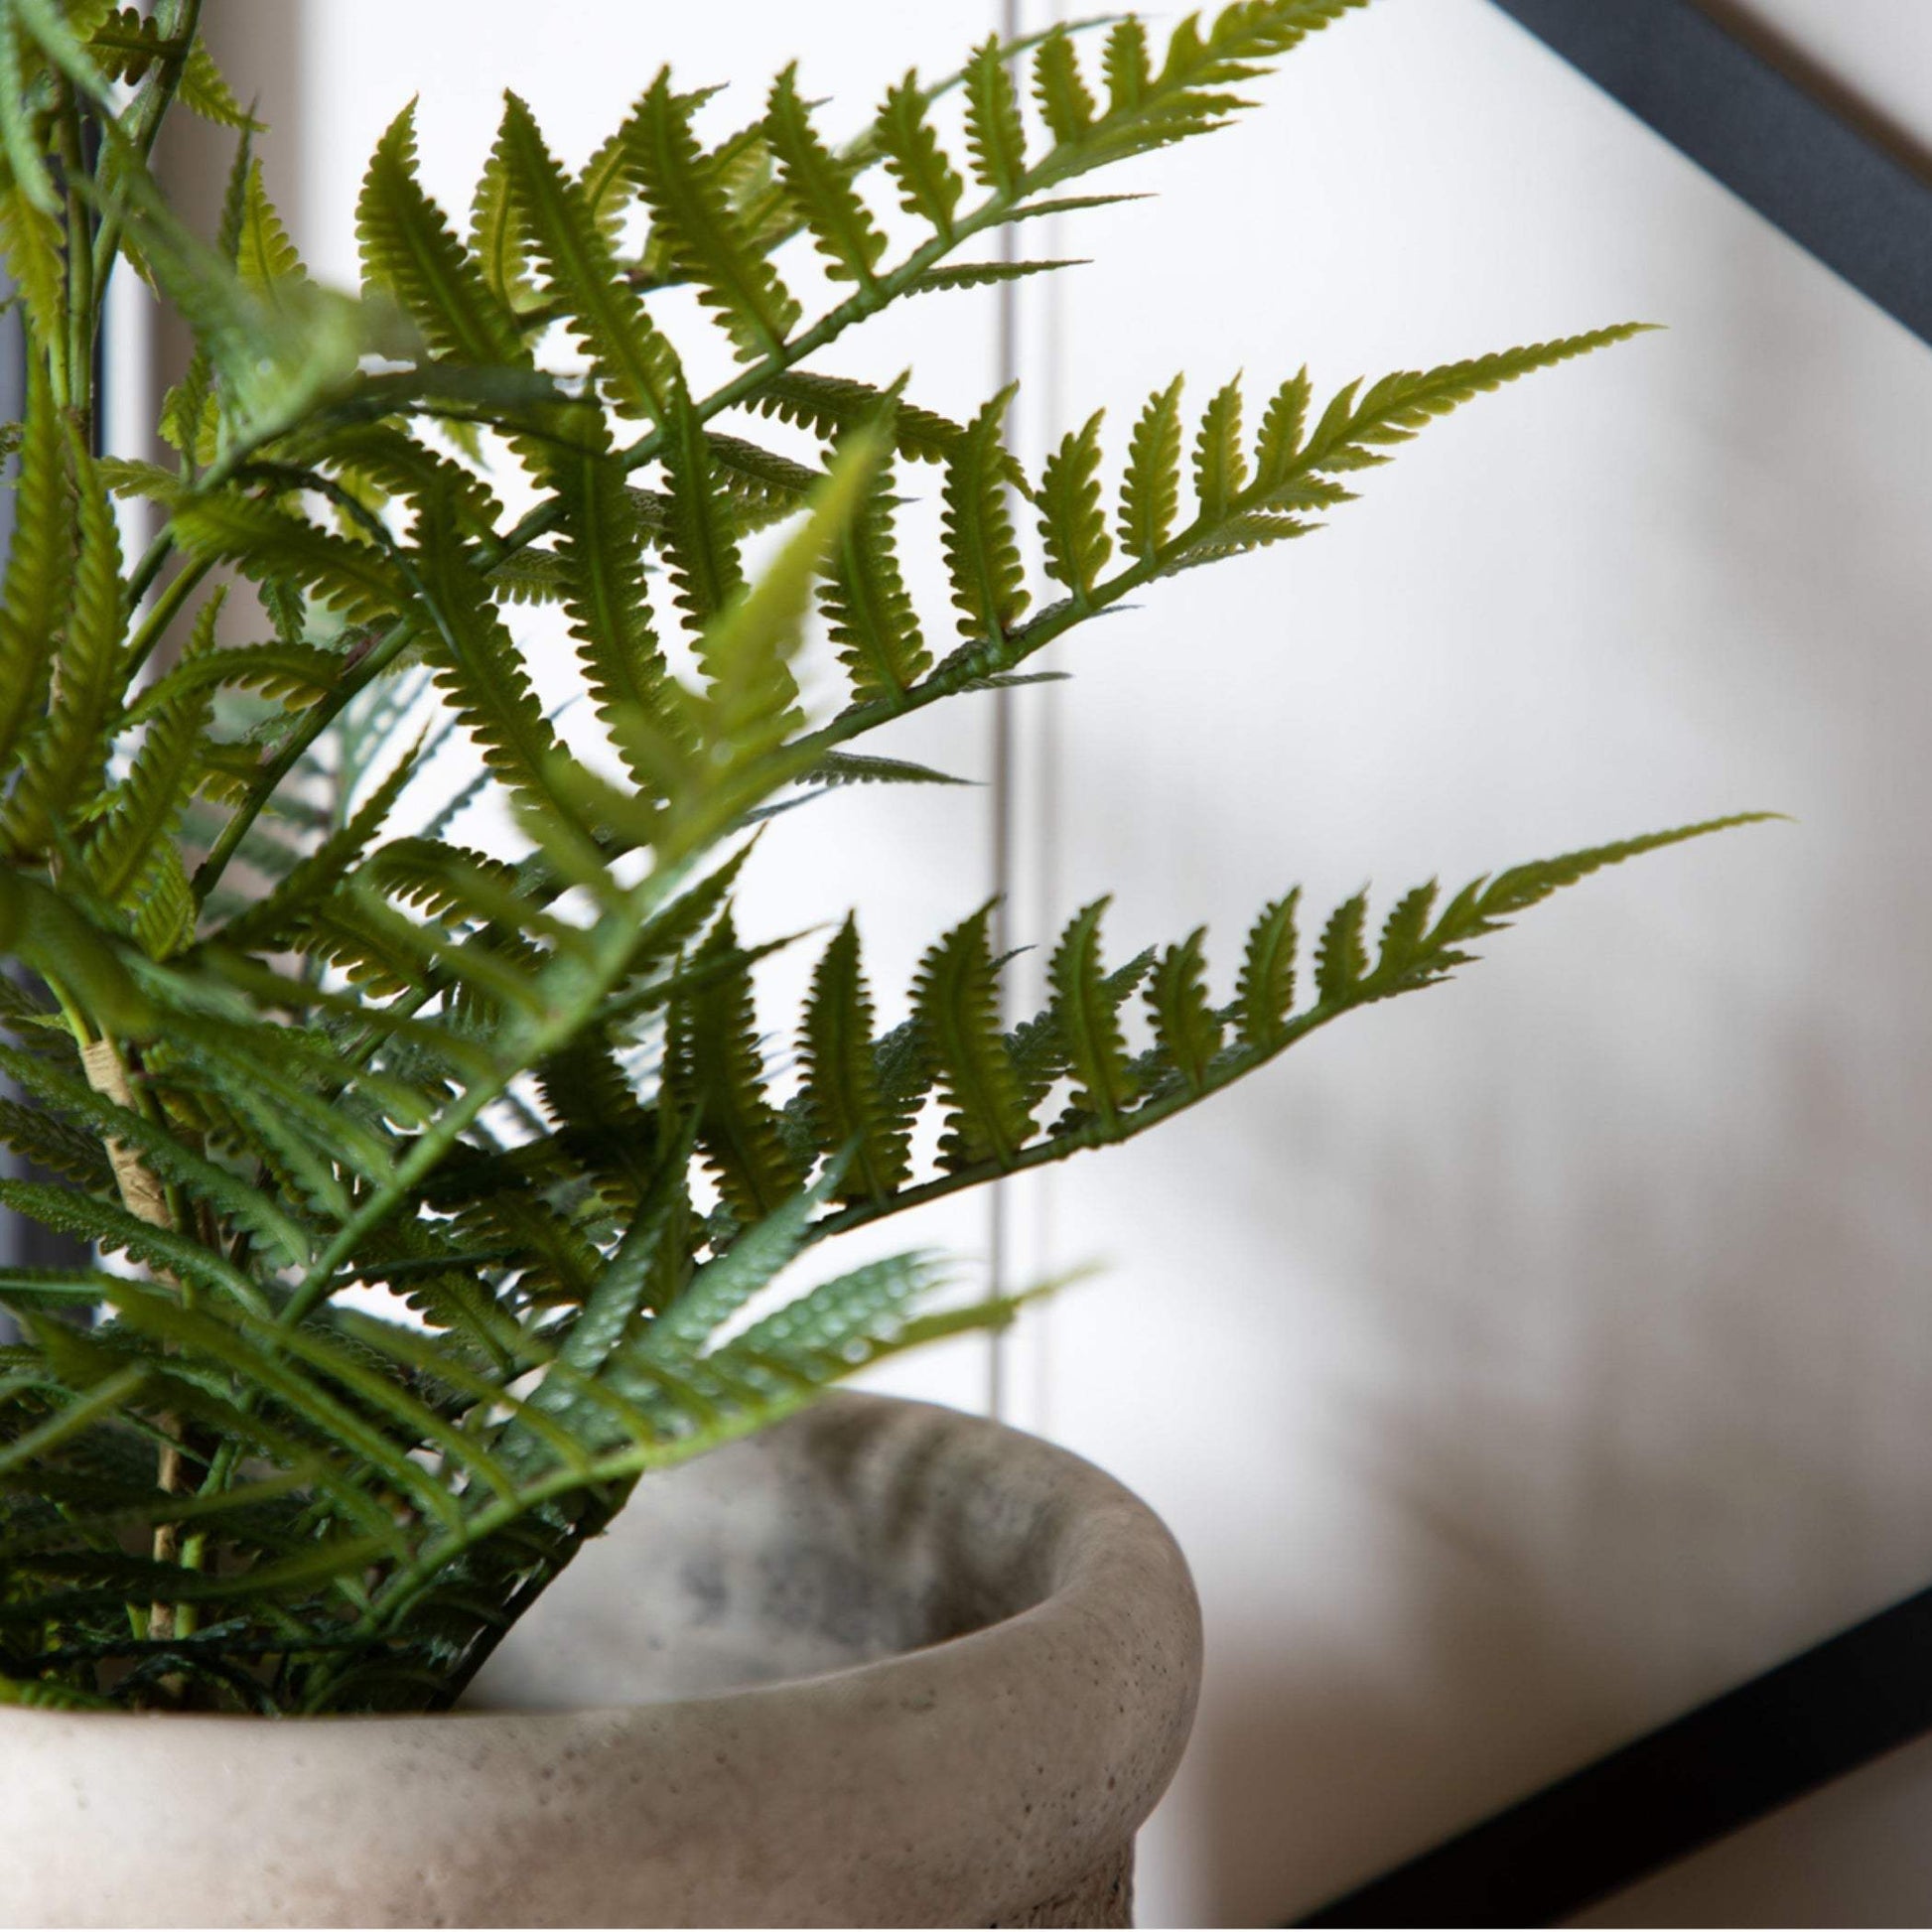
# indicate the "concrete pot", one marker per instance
pixel 882 1665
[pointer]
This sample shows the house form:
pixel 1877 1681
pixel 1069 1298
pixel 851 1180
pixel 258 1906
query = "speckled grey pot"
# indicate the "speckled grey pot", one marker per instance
pixel 884 1665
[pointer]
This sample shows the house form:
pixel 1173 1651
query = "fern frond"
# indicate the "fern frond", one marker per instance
pixel 1150 491
pixel 603 579
pixel 145 810
pixel 266 257
pixel 842 1090
pixel 1220 457
pixel 205 91
pixel 480 671
pixel 994 138
pixel 40 565
pixel 1340 956
pixel 705 236
pixel 821 187
pixel 719 1076
pixel 1353 433
pixel 929 185
pixel 982 548
pixel 700 537
pixel 834 406
pixel 1072 523
pixel 605 314
pixel 1065 104
pixel 409 249
pixel 1088 1013
pixel 31 241
pixel 1186 1029
pixel 65 763
pixel 265 543
pixel 956 1000
pixel 868 610
pixel 1265 993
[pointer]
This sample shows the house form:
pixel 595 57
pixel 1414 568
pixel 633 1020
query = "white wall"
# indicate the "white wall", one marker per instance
pixel 1521 1364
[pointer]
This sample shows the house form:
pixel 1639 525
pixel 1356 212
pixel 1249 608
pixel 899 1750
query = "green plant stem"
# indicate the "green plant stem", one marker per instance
pixel 165 608
pixel 176 21
pixel 81 261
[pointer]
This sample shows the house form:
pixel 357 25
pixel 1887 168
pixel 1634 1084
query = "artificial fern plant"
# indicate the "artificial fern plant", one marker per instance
pixel 268 1044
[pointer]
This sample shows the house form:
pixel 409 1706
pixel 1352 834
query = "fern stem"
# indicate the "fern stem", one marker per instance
pixel 177 22
pixel 1094 1133
pixel 161 613
pixel 81 268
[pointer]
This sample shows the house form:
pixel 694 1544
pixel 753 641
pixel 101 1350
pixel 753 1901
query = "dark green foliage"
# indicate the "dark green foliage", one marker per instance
pixel 280 1026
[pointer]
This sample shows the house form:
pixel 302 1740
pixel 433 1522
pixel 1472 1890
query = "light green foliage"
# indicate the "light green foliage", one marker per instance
pixel 281 1023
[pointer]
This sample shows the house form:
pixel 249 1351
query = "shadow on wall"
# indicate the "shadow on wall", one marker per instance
pixel 1533 1617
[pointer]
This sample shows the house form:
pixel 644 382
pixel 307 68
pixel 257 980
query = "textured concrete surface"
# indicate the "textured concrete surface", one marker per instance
pixel 1004 1648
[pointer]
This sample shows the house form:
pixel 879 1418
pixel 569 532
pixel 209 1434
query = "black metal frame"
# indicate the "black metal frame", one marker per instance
pixel 1853 199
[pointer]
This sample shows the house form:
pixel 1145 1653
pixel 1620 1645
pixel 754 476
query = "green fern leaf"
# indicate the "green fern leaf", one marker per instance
pixel 605 313
pixel 40 565
pixel 1352 434
pixel 747 651
pixel 272 920
pixel 202 1180
pixel 111 1227
pixel 1220 457
pixel 145 810
pixel 498 239
pixel 409 249
pixel 855 768
pixel 868 610
pixel 55 1144
pixel 719 1075
pixel 1341 958
pixel 266 257
pixel 266 543
pixel 956 1000
pixel 981 275
pixel 32 179
pixel 1150 495
pixel 842 1090
pixel 1072 523
pixel 1126 63
pixel 31 240
pixel 1404 943
pixel 205 92
pixel 605 596
pixel 1186 1029
pixel 1065 104
pixel 981 549
pixel 163 904
pixel 723 1285
pixel 834 406
pixel 1089 1018
pixel 480 670
pixel 994 138
pixel 836 1327
pixel 1282 430
pixel 700 537
pixel 296 674
pixel 706 238
pixel 821 187
pixel 1265 992
pixel 929 186
pixel 1482 906
pixel 383 457
pixel 65 763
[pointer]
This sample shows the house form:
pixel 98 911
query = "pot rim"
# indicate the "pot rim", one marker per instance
pixel 966 1780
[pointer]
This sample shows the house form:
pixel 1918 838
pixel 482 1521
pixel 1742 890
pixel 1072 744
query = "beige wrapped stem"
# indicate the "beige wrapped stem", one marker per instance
pixel 882 1665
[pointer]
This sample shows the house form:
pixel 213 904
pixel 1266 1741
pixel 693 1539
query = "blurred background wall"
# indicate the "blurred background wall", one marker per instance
pixel 1523 1365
